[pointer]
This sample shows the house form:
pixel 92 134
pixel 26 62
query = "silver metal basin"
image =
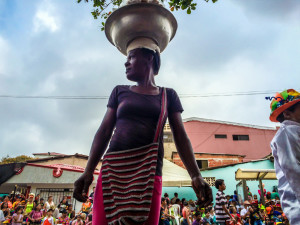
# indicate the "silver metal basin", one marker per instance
pixel 140 20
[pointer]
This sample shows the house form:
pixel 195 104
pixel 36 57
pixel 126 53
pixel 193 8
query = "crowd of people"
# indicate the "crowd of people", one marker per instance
pixel 19 210
pixel 228 209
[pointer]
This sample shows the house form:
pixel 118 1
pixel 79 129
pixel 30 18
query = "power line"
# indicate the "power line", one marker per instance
pixel 74 97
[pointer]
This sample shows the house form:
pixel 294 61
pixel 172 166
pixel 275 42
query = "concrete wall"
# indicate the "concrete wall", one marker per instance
pixel 202 138
pixel 213 159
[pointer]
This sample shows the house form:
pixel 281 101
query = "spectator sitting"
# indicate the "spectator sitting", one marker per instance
pixel 63 219
pixel 207 218
pixel 197 220
pixel 78 220
pixel 48 220
pixel 173 200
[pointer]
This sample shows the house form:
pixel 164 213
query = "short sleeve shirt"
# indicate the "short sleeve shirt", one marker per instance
pixel 221 215
pixel 137 117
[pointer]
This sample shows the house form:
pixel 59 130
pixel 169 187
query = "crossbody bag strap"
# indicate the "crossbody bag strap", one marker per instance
pixel 163 112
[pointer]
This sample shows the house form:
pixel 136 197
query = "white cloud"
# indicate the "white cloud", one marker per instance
pixel 45 18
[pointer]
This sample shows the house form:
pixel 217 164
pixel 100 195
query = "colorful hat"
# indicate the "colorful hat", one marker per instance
pixel 283 101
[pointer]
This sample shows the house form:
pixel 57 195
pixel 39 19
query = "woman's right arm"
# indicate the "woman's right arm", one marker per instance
pixel 98 148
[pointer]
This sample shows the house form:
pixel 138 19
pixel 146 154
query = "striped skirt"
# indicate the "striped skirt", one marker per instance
pixel 127 184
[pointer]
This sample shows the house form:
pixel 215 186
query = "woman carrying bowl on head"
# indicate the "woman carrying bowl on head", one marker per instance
pixel 130 183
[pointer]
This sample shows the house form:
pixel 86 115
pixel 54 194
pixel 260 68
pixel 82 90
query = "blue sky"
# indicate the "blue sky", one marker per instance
pixel 52 48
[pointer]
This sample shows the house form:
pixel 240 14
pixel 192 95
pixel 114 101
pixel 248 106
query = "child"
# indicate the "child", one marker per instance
pixel 36 215
pixel 78 220
pixel 222 213
pixel 207 218
pixel 285 108
pixel 17 217
pixel 48 220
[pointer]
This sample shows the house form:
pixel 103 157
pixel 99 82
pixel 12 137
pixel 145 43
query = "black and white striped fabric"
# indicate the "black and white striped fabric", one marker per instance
pixel 221 215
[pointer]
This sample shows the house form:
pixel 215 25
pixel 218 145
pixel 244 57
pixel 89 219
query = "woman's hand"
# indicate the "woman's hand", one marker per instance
pixel 81 186
pixel 202 190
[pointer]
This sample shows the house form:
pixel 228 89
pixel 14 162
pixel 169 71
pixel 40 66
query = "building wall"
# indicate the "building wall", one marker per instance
pixel 213 159
pixel 228 174
pixel 202 137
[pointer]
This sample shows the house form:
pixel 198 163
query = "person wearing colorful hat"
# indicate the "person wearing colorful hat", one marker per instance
pixel 285 108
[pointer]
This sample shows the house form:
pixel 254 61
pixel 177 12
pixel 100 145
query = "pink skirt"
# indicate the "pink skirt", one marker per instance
pixel 99 217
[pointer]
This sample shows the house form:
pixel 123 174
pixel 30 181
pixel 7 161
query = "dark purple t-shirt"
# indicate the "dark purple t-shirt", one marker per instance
pixel 137 117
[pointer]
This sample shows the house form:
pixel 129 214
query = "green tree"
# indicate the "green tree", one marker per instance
pixel 20 158
pixel 101 7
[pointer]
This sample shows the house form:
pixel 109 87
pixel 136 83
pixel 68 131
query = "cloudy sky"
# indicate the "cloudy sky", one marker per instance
pixel 56 48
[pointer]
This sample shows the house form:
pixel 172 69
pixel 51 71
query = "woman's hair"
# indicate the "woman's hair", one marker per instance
pixel 50 196
pixel 36 205
pixel 281 118
pixel 156 59
pixel 4 203
pixel 18 208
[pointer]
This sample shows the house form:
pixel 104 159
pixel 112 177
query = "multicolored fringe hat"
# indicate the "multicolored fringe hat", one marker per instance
pixel 283 101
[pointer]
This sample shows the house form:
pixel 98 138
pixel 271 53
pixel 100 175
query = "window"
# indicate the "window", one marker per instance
pixel 210 180
pixel 240 137
pixel 202 164
pixel 168 137
pixel 224 136
pixel 57 194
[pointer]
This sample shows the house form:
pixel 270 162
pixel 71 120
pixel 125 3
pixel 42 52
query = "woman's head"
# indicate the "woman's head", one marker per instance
pixel 38 207
pixel 4 205
pixel 50 198
pixel 142 62
pixel 19 210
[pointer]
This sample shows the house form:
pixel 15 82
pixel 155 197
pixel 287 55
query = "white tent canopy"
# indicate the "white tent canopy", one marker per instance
pixel 174 175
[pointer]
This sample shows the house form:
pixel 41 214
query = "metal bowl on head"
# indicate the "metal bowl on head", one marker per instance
pixel 140 20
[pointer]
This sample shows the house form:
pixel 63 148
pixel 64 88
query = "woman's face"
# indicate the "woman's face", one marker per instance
pixel 50 199
pixel 39 207
pixel 137 65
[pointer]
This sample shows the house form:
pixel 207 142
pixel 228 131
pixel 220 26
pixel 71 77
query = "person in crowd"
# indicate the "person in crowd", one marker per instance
pixel 285 149
pixel 7 200
pixel 274 194
pixel 63 203
pixel 30 204
pixel 78 220
pixel 89 220
pixel 265 191
pixel 86 206
pixel 254 201
pixel 71 212
pixel 173 200
pixel 255 216
pixel 36 215
pixel 197 219
pixel 16 203
pixel 174 211
pixel 63 219
pixel 2 217
pixel 245 213
pixel 50 204
pixel 235 196
pixel 186 214
pixel 37 199
pixel 93 193
pixel 207 218
pixel 17 217
pixel 192 206
pixel 6 211
pixel 49 220
pixel 222 213
pixel 164 213
pixel 212 214
pixel 166 196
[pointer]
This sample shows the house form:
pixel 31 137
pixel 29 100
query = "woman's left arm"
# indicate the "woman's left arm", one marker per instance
pixel 186 153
